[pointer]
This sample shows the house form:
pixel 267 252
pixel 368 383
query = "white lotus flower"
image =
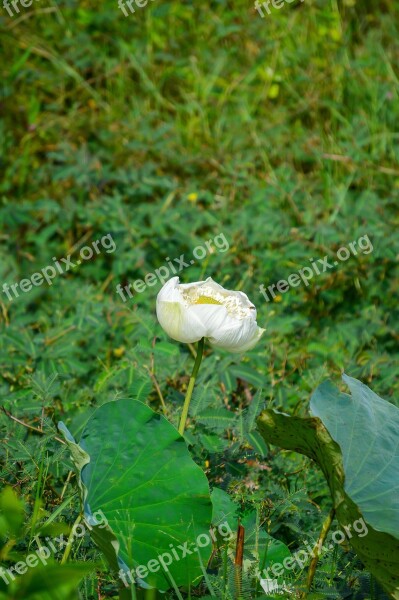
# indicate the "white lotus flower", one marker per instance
pixel 191 311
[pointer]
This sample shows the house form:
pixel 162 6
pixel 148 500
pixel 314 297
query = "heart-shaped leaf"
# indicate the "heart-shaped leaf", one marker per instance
pixel 136 471
pixel 366 428
pixel 355 441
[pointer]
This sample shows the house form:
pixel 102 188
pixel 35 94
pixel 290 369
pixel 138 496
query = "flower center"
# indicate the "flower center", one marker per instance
pixel 206 300
pixel 205 294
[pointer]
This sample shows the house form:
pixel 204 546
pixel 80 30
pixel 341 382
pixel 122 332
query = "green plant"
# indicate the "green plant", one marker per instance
pixel 354 440
pixel 136 470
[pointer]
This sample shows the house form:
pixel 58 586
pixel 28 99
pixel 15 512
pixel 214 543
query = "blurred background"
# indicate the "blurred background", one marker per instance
pixel 163 129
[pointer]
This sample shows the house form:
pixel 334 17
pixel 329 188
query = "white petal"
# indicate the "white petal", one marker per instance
pixel 177 323
pixel 212 316
pixel 225 331
pixel 174 317
pixel 238 336
pixel 187 286
pixel 230 325
pixel 170 292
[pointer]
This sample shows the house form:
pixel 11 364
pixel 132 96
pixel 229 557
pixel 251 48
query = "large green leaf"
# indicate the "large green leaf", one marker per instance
pixel 366 428
pixel 135 468
pixel 356 483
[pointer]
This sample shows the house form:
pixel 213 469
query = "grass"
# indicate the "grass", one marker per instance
pixel 164 129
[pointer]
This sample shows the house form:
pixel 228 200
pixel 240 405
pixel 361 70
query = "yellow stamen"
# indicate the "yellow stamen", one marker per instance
pixel 206 300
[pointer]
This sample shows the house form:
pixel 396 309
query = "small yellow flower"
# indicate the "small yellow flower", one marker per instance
pixel 193 197
pixel 336 35
pixel 278 298
pixel 273 91
pixel 118 352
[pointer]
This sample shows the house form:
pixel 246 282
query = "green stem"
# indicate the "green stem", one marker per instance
pixel 68 547
pixel 191 384
pixel 318 548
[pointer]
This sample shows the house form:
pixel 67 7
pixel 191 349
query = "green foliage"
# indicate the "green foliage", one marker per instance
pixel 11 514
pixel 135 469
pixel 42 578
pixel 53 582
pixel 262 551
pixel 366 428
pixel 165 128
pixel 358 424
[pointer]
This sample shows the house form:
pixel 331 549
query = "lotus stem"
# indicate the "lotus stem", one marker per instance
pixel 191 384
pixel 318 547
pixel 68 547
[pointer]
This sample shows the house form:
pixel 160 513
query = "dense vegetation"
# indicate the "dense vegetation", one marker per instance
pixel 275 138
